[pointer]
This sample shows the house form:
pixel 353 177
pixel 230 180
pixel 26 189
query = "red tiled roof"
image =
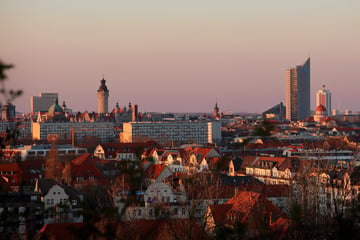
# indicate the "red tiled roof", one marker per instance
pixel 86 158
pixel 281 225
pixel 86 171
pixel 10 167
pixel 154 170
pixel 248 161
pixel 81 159
pixel 219 212
pixel 59 231
pixel 32 169
pixel 309 119
pixel 278 160
pixel 243 203
pixel 327 119
pixel 13 179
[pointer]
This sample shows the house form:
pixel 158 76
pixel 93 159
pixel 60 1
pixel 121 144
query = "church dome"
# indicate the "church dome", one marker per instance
pixel 320 108
pixel 55 108
pixel 103 86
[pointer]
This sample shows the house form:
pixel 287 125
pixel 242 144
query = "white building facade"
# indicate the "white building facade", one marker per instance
pixel 179 132
pixel 77 131
pixel 323 97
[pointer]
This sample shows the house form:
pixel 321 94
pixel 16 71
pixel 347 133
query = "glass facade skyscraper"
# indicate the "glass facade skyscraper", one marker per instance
pixel 298 92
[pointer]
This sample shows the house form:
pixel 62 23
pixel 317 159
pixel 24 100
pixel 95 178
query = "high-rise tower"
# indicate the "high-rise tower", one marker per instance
pixel 216 111
pixel 103 96
pixel 298 92
pixel 323 97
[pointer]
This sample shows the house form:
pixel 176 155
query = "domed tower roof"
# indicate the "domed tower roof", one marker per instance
pixel 55 108
pixel 320 108
pixel 116 109
pixel 103 87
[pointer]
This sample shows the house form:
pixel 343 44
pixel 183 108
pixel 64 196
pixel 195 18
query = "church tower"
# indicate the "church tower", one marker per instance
pixel 103 96
pixel 216 111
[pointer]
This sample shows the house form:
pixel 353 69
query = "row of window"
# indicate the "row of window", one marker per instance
pixel 175 211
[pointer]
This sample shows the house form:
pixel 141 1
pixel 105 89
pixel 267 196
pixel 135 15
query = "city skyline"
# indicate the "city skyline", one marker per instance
pixel 179 57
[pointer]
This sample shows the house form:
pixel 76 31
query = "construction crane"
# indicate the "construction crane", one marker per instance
pixel 80 130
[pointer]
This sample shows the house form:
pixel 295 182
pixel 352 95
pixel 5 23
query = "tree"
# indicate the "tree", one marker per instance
pixel 8 95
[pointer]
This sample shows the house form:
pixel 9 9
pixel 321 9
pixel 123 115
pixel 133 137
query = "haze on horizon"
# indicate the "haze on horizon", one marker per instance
pixel 180 56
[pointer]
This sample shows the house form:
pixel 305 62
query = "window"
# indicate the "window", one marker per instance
pixel 183 211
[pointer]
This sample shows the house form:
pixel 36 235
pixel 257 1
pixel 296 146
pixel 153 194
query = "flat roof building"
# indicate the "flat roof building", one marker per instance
pixel 76 131
pixel 172 132
pixel 43 102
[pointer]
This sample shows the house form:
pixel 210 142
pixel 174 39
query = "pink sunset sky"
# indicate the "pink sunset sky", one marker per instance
pixel 180 56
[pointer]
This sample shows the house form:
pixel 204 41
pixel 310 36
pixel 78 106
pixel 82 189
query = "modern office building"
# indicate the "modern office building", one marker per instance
pixel 103 96
pixel 323 97
pixel 43 102
pixel 277 112
pixel 298 92
pixel 172 132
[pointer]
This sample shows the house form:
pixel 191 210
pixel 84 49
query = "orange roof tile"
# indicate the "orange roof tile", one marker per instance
pixel 154 170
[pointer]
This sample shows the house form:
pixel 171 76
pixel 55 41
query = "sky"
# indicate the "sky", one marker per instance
pixel 180 56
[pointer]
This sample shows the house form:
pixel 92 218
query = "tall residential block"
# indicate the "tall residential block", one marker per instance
pixel 172 132
pixel 75 131
pixel 298 92
pixel 103 96
pixel 43 102
pixel 323 97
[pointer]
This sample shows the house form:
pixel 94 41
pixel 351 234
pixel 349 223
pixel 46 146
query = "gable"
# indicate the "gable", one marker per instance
pixel 55 192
